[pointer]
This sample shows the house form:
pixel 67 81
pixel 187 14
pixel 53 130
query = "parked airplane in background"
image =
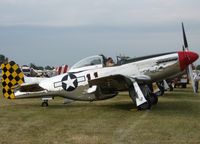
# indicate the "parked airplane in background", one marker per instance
pixel 91 79
pixel 31 72
pixel 62 69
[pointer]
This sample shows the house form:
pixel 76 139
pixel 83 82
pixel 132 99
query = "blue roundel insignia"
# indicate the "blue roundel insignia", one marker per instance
pixel 69 82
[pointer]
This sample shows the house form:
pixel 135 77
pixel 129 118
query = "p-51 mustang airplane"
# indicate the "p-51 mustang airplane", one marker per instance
pixel 91 80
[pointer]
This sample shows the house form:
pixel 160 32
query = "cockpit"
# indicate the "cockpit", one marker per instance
pixel 97 61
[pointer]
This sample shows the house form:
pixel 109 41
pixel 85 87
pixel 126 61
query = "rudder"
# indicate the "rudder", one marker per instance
pixel 11 77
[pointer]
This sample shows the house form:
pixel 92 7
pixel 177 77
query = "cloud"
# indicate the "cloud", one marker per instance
pixel 96 12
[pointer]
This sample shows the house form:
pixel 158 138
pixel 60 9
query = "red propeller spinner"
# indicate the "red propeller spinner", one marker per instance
pixel 186 58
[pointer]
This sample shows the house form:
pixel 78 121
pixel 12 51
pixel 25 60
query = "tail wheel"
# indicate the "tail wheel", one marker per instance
pixel 45 104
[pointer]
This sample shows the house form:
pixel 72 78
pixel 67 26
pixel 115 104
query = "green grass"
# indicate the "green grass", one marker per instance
pixel 175 119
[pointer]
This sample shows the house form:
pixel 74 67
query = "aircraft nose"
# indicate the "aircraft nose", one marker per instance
pixel 192 56
pixel 186 58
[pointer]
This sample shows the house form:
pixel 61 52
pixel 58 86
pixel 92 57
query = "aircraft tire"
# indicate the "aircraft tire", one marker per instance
pixel 144 106
pixel 147 105
pixel 162 89
pixel 154 99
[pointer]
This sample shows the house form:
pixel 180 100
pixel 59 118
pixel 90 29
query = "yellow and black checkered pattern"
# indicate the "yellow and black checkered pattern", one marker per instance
pixel 11 76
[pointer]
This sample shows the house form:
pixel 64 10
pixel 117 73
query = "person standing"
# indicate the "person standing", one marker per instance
pixel 196 81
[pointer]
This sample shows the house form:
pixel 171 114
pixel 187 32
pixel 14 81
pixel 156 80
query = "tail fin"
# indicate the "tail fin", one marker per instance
pixel 11 77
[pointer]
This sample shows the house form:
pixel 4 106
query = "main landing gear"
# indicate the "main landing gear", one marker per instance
pixel 143 96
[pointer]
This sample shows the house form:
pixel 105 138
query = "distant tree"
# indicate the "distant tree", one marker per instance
pixel 49 67
pixel 198 67
pixel 24 65
pixel 32 65
pixel 40 68
pixel 2 58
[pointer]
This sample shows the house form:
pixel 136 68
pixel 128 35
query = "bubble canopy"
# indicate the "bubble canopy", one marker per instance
pixel 96 61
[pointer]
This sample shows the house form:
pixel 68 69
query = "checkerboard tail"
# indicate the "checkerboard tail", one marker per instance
pixel 11 77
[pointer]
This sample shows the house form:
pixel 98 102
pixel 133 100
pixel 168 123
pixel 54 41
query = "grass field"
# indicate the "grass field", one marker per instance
pixel 176 119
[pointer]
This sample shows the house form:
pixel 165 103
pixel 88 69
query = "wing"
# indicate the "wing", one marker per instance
pixel 118 82
pixel 114 82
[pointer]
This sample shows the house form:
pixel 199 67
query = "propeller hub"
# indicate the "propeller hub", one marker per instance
pixel 186 58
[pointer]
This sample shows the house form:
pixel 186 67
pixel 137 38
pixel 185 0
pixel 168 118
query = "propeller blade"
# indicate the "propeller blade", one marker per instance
pixel 189 69
pixel 184 37
pixel 183 48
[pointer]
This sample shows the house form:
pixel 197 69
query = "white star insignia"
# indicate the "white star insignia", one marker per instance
pixel 69 82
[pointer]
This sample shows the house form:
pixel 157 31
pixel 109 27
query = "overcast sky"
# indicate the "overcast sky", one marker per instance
pixel 55 32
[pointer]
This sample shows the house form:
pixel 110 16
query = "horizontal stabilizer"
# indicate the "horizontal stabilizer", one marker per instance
pixel 30 88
